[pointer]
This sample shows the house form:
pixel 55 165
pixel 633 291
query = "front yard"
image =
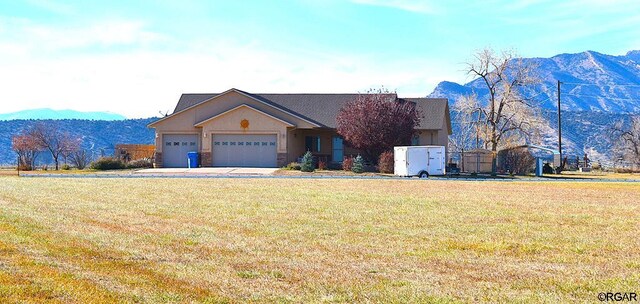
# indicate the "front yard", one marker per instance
pixel 300 240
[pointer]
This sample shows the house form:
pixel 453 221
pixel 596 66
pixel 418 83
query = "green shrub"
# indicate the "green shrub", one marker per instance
pixel 358 165
pixel 107 163
pixel 386 162
pixel 307 162
pixel 65 167
pixel 140 163
pixel 293 166
pixel 347 163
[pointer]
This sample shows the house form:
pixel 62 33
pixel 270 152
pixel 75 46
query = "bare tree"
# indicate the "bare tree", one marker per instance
pixel 27 147
pixel 467 136
pixel 505 113
pixel 58 143
pixel 627 141
pixel 80 159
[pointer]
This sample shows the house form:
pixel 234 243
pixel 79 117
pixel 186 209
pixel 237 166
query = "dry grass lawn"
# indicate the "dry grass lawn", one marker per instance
pixel 301 240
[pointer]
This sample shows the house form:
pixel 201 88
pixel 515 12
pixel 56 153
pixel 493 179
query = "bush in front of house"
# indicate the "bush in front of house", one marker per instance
pixel 358 165
pixel 65 167
pixel 307 162
pixel 385 162
pixel 140 163
pixel 107 163
pixel 293 166
pixel 322 165
pixel 347 163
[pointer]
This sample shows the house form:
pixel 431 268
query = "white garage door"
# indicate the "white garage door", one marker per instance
pixel 246 150
pixel 175 148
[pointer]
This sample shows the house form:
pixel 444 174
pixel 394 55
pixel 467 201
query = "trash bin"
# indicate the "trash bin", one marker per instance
pixel 193 159
pixel 539 166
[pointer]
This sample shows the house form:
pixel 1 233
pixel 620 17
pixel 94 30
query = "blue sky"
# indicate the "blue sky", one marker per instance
pixel 137 57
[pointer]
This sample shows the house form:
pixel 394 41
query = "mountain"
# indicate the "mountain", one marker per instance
pixel 99 137
pixel 597 90
pixel 591 81
pixel 60 114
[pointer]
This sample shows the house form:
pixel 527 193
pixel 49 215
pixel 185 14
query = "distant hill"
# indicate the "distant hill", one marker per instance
pixel 591 82
pixel 60 114
pixel 99 137
pixel 597 91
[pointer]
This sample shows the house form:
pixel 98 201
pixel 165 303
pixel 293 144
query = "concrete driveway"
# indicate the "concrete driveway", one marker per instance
pixel 207 171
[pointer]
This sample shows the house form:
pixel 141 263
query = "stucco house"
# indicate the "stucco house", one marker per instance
pixel 238 128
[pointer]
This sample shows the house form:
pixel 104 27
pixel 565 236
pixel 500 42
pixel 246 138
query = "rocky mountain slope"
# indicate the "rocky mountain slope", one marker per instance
pixel 597 90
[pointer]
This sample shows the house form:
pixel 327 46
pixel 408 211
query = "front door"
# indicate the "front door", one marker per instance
pixel 338 149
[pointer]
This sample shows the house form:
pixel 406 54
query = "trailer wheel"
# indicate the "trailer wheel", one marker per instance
pixel 423 174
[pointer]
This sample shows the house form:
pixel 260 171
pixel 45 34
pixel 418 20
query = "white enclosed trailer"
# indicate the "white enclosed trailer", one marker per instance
pixel 419 161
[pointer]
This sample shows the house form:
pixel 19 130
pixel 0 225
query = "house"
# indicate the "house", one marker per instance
pixel 237 128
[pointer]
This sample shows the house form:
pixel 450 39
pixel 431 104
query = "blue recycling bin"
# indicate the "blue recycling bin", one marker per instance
pixel 193 159
pixel 539 166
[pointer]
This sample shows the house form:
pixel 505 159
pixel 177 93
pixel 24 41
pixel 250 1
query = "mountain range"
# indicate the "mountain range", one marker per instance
pixel 99 137
pixel 591 81
pixel 46 113
pixel 596 91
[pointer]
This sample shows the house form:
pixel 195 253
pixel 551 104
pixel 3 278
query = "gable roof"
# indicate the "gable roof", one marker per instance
pixel 198 124
pixel 322 109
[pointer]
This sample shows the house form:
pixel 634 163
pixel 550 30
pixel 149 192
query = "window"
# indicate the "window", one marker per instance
pixel 312 143
pixel 248 143
pixel 273 143
pixel 233 143
pixel 338 149
pixel 217 143
pixel 168 144
pixel 193 143
pixel 175 143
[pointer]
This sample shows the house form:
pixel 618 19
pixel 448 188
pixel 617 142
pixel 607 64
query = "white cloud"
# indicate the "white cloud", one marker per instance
pixel 140 81
pixel 416 6
pixel 100 34
pixel 53 6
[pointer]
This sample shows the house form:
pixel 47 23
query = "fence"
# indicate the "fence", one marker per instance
pixel 472 161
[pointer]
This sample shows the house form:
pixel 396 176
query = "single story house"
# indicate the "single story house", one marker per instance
pixel 238 128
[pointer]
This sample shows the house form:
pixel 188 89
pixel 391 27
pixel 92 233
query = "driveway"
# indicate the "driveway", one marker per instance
pixel 227 171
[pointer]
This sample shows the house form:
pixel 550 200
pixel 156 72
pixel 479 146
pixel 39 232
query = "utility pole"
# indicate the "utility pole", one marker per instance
pixel 560 129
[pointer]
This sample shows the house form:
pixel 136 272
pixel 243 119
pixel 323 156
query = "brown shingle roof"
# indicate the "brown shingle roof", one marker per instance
pixel 323 108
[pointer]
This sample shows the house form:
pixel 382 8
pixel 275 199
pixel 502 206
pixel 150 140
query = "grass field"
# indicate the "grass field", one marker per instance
pixel 300 240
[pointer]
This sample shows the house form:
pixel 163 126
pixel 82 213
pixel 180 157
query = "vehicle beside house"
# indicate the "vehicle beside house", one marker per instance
pixel 421 161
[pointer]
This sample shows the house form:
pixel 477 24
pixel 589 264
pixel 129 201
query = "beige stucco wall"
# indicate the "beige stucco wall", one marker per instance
pixel 296 144
pixel 183 122
pixel 259 123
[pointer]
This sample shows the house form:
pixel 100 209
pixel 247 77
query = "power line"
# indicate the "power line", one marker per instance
pixel 603 97
pixel 606 85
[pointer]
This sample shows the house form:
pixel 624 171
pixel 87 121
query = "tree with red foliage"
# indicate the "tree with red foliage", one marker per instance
pixel 377 121
pixel 27 147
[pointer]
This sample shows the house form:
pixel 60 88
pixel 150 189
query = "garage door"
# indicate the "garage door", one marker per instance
pixel 175 149
pixel 246 150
